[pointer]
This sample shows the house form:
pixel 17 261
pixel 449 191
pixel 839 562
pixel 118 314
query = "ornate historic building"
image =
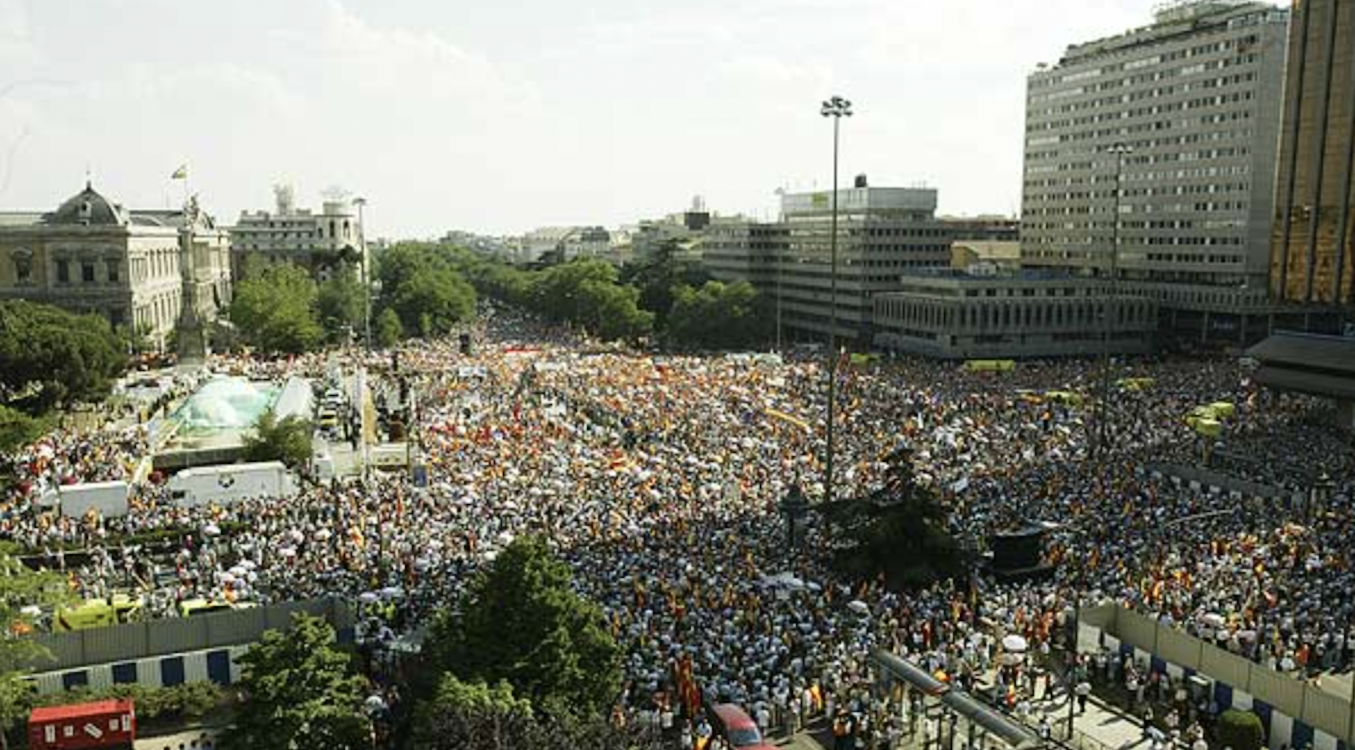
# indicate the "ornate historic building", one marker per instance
pixel 133 267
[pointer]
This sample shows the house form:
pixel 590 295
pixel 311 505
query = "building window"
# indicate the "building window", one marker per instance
pixel 114 270
pixel 23 265
pixel 63 271
pixel 87 272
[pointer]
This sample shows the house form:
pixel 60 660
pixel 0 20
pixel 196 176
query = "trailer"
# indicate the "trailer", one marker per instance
pixel 105 725
pixel 230 483
pixel 108 498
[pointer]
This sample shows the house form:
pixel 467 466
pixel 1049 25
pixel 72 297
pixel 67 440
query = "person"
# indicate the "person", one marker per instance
pixel 1083 691
pixel 842 731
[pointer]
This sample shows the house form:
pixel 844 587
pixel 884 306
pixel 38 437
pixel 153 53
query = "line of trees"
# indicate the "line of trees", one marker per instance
pixel 659 297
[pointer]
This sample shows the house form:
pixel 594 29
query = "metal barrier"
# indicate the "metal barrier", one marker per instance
pixel 140 640
pixel 1314 706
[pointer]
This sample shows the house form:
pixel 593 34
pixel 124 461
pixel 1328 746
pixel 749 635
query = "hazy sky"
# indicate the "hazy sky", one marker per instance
pixel 503 115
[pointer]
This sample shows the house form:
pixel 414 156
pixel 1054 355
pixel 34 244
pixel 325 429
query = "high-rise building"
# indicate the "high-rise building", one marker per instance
pixel 1195 98
pixel 1313 257
pixel 136 268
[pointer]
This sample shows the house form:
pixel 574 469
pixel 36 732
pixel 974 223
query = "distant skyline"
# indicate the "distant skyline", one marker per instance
pixel 501 117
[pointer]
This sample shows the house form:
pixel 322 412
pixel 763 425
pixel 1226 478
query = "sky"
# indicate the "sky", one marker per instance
pixel 499 116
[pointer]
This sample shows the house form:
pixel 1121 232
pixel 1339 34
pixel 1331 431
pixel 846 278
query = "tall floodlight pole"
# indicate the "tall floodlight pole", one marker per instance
pixel 366 277
pixel 1120 150
pixel 836 108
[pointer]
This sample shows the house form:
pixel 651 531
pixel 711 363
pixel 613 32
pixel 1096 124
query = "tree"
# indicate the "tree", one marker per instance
pixel 276 310
pixel 50 357
pixel 899 531
pixel 299 691
pixel 658 278
pixel 420 285
pixel 389 331
pixel 340 306
pixel 472 714
pixel 287 440
pixel 18 429
pixel 718 316
pixel 521 622
pixel 21 587
pixel 476 715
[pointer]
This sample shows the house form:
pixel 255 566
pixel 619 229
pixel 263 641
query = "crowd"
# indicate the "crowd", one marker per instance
pixel 658 479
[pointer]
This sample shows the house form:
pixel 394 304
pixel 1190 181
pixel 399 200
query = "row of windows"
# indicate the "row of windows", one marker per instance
pixel 86 268
pixel 1034 111
pixel 1033 192
pixel 1117 134
pixel 1243 43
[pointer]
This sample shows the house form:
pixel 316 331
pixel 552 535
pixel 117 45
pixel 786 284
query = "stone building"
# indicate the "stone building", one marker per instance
pixel 320 242
pixel 134 267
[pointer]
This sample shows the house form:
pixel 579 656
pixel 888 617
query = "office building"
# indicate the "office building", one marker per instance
pixel 882 231
pixel 1313 257
pixel 133 267
pixel 948 313
pixel 1196 97
pixel 322 243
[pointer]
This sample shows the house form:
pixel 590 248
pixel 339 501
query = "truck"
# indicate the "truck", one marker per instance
pixel 96 613
pixel 106 725
pixel 108 498
pixel 230 483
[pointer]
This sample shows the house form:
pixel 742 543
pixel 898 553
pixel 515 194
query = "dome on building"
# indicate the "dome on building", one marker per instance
pixel 90 208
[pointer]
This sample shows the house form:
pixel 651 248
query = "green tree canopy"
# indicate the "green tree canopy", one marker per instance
pixel 472 714
pixel 522 623
pixel 658 278
pixel 51 357
pixel 718 316
pixel 18 429
pixel 299 691
pixel 276 310
pixel 288 440
pixel 427 294
pixel 899 531
pixel 389 330
pixel 340 306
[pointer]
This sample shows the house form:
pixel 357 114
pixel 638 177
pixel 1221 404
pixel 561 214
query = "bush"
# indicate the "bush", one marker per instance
pixel 177 703
pixel 1240 730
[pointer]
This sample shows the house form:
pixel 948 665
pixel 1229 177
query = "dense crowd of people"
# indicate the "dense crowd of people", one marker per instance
pixel 658 478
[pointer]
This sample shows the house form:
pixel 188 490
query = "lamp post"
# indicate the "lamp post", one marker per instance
pixel 1102 438
pixel 836 108
pixel 366 278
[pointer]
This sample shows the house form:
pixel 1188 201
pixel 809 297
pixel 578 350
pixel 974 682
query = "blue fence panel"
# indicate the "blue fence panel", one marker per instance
pixel 219 667
pixel 171 671
pixel 125 673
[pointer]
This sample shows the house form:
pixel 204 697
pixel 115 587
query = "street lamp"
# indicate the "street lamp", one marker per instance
pixel 366 278
pixel 836 108
pixel 1120 150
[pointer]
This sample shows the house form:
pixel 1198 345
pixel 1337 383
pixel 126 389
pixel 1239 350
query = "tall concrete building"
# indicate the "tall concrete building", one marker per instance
pixel 136 268
pixel 1313 258
pixel 1197 96
pixel 882 232
pixel 319 242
